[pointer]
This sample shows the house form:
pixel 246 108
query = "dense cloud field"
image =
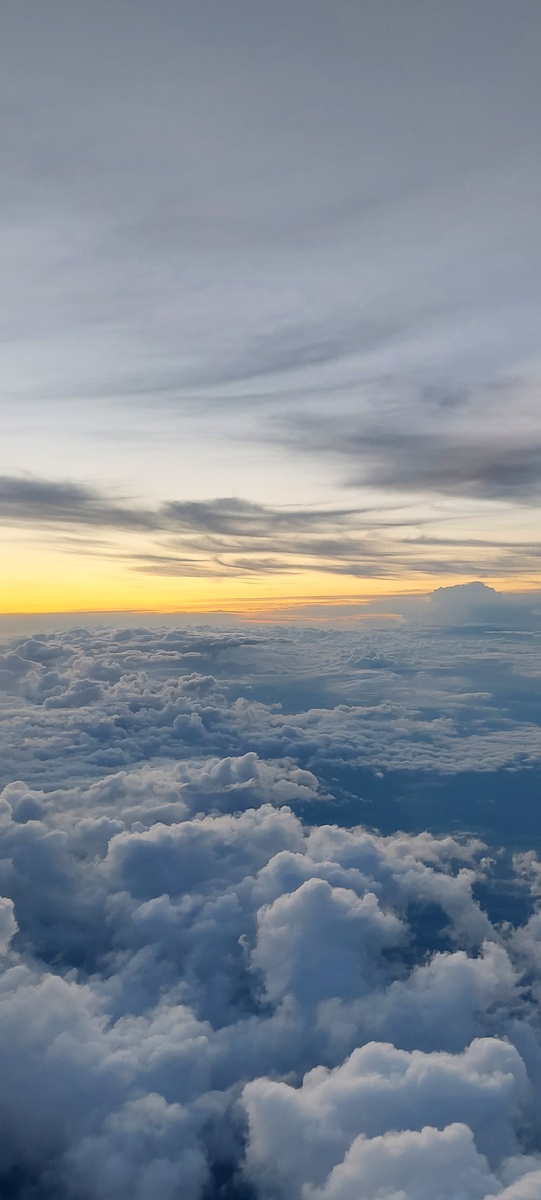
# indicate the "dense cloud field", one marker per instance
pixel 218 978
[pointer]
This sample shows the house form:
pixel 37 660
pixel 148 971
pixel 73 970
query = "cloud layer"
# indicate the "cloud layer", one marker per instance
pixel 211 986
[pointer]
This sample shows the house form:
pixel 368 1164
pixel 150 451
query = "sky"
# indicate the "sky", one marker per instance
pixel 270 303
pixel 270 600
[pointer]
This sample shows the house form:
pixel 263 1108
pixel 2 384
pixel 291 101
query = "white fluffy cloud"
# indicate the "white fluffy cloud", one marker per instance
pixel 204 995
pixel 302 1135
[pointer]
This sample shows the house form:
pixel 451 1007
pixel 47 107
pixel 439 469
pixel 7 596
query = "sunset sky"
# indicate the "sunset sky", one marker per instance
pixel 270 600
pixel 270 318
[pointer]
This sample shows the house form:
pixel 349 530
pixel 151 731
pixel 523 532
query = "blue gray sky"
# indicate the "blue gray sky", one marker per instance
pixel 284 257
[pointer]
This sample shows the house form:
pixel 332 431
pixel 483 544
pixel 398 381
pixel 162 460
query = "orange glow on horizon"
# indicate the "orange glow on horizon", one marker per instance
pixel 255 600
pixel 44 579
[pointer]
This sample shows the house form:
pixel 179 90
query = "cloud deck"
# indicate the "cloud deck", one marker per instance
pixel 214 985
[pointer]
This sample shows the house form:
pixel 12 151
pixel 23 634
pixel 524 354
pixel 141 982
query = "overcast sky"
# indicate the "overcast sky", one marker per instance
pixel 283 254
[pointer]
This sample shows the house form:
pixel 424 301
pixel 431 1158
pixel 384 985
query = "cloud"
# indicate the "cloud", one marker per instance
pixel 408 701
pixel 47 502
pixel 181 256
pixel 476 604
pixel 234 537
pixel 444 1161
pixel 157 1033
pixel 201 252
pixel 445 460
pixel 317 1139
pixel 261 930
pixel 42 501
pixel 211 985
pixel 8 924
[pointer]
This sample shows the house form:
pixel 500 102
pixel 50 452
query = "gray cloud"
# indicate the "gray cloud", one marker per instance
pixel 36 501
pixel 487 469
pixel 234 537
pixel 48 502
pixel 224 197
pixel 474 465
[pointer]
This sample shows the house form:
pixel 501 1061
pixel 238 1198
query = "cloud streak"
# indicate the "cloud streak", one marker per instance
pixel 232 537
pixel 480 467
pixel 245 217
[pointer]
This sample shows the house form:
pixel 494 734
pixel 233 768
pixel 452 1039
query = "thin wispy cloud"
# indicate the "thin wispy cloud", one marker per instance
pixel 229 216
pixel 476 466
pixel 230 537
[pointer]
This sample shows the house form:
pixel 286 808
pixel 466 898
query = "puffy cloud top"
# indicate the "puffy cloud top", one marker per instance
pixel 209 987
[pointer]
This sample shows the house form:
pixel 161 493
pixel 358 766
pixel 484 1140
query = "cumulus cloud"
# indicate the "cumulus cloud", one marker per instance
pixel 477 604
pixel 324 1133
pixel 328 702
pixel 209 986
pixel 8 924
